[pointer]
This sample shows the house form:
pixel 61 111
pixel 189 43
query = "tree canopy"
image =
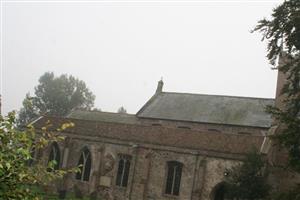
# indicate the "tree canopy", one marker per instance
pixel 17 174
pixel 122 110
pixel 56 96
pixel 282 33
pixel 247 180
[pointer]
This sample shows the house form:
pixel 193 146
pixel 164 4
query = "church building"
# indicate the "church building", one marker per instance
pixel 177 146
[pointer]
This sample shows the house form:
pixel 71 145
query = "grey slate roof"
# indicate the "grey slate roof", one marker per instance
pixel 104 116
pixel 242 111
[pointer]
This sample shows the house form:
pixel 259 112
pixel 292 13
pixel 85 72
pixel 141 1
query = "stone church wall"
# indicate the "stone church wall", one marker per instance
pixel 148 169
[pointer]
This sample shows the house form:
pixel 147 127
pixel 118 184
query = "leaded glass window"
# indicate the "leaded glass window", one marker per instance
pixel 54 156
pixel 123 170
pixel 85 164
pixel 173 177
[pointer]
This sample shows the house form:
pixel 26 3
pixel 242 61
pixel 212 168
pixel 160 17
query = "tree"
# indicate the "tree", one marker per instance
pixel 247 180
pixel 282 33
pixel 16 151
pixel 56 96
pixel 28 112
pixel 122 110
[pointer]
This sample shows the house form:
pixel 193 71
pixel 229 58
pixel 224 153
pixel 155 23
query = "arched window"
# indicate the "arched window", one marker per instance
pixel 123 170
pixel 85 164
pixel 54 156
pixel 173 177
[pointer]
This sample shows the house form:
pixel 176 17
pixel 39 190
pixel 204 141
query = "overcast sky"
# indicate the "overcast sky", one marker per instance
pixel 122 48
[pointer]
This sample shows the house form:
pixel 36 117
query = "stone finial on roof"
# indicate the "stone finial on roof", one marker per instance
pixel 159 86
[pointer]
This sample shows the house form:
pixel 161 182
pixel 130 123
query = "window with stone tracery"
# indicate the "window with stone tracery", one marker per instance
pixel 85 164
pixel 123 170
pixel 173 177
pixel 54 156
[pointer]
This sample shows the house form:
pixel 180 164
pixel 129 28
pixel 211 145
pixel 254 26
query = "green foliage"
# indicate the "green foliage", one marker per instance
pixel 282 33
pixel 56 96
pixel 247 180
pixel 16 175
pixel 28 112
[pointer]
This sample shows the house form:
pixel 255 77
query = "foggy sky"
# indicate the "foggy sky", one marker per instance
pixel 121 49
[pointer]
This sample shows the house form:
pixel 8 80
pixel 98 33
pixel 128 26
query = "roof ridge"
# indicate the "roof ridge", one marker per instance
pixel 87 120
pixel 107 112
pixel 217 95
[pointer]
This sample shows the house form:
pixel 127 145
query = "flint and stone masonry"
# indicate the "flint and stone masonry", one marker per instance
pixel 178 146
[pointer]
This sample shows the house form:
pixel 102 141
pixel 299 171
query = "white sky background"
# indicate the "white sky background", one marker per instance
pixel 122 49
